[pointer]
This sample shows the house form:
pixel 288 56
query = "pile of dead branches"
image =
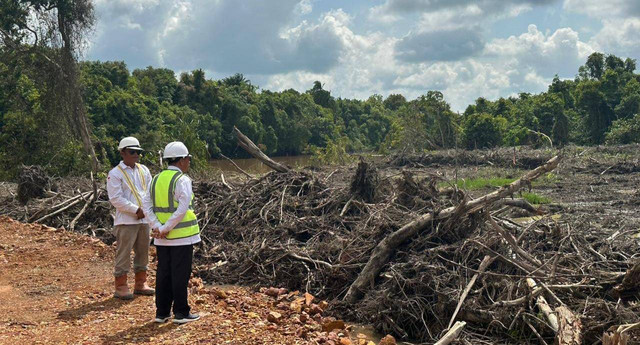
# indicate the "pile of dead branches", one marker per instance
pixel 416 257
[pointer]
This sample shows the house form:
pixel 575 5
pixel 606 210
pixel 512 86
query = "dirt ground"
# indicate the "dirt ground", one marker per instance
pixel 56 288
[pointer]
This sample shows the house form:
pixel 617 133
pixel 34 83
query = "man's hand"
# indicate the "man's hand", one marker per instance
pixel 139 213
pixel 155 233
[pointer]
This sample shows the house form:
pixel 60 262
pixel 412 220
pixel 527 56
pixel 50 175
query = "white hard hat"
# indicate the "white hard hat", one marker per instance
pixel 175 149
pixel 129 143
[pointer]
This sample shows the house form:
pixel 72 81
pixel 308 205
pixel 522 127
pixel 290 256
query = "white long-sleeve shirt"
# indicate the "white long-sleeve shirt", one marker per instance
pixel 121 196
pixel 182 193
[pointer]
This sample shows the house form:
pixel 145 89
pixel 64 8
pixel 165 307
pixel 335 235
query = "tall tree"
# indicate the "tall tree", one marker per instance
pixel 56 30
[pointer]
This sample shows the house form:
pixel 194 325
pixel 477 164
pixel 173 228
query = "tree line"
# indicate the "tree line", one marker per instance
pixel 600 105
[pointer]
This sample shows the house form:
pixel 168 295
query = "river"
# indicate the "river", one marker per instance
pixel 254 166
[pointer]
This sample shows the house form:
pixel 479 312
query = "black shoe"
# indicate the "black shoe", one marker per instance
pixel 161 319
pixel 180 319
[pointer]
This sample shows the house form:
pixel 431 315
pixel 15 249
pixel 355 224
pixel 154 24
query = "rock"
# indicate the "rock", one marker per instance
pixel 308 298
pixel 275 317
pixel 304 317
pixel 388 340
pixel 333 325
pixel 272 291
pixel 296 305
pixel 220 294
pixel 315 309
pixel 345 341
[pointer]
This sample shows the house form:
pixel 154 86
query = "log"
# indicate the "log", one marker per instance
pixel 253 150
pixel 570 327
pixel 385 249
pixel 452 334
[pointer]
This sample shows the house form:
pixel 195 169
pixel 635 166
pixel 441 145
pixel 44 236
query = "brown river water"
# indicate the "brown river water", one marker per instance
pixel 254 166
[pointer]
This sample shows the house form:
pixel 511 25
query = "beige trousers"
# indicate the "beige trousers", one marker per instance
pixel 128 237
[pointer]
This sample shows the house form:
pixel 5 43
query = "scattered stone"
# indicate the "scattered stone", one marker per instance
pixel 388 340
pixel 308 298
pixel 345 341
pixel 274 317
pixel 333 325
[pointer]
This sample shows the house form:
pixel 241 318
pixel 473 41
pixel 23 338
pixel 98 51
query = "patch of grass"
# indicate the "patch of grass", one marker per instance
pixel 483 182
pixel 535 199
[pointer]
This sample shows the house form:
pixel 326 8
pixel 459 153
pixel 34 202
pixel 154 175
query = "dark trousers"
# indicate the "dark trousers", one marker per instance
pixel 172 279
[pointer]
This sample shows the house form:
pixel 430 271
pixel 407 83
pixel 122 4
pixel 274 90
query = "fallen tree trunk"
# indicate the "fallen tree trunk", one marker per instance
pixel 570 327
pixel 250 147
pixel 383 251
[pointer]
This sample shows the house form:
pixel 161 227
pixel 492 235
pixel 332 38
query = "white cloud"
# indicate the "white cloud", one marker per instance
pixel 620 19
pixel 604 9
pixel 560 53
pixel 223 35
pixel 304 7
pixel 619 37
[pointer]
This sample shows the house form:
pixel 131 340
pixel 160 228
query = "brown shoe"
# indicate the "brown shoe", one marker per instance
pixel 141 287
pixel 122 290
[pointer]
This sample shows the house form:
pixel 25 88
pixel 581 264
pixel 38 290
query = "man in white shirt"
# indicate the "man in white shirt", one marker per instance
pixel 169 209
pixel 128 184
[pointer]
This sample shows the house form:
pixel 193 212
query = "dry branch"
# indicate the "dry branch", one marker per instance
pixel 383 251
pixel 483 266
pixel 250 147
pixel 236 166
pixel 544 307
pixel 452 334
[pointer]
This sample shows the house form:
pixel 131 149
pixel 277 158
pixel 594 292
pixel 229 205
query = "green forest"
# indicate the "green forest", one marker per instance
pixel 601 105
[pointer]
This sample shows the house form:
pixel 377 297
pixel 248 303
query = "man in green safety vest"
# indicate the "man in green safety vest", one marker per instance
pixel 169 209
pixel 127 185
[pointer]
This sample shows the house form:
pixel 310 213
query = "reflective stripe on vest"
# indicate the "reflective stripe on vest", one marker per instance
pixel 132 186
pixel 162 195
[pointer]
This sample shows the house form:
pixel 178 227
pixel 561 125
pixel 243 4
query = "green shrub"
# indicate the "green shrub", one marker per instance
pixel 624 131
pixel 482 130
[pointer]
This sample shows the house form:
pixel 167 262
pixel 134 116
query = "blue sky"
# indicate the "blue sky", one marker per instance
pixel 466 49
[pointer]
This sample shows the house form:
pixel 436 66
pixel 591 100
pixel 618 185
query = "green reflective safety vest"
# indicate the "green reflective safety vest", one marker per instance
pixel 162 190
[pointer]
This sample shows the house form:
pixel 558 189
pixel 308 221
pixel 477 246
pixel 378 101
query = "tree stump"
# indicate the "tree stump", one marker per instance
pixel 365 182
pixel 32 183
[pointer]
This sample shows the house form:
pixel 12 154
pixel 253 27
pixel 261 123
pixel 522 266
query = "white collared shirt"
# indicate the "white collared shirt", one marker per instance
pixel 182 193
pixel 121 196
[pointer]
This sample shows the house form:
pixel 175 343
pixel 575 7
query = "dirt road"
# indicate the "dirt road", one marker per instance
pixel 56 286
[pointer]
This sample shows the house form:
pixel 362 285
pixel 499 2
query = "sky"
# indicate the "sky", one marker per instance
pixel 355 48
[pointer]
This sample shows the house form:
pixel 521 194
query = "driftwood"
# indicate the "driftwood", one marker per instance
pixel 383 251
pixel 250 147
